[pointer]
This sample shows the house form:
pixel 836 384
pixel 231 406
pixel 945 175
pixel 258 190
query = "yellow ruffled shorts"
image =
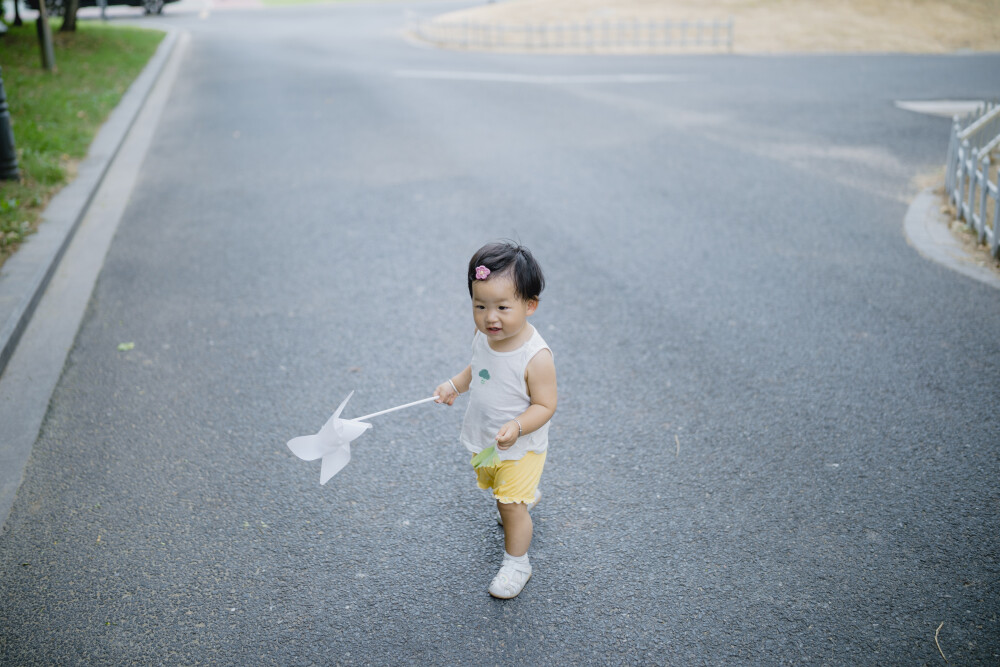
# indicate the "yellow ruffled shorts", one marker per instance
pixel 513 481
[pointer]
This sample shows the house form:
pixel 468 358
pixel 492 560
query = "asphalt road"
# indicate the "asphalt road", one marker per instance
pixel 777 433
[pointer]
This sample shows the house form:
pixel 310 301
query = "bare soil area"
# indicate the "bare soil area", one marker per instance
pixel 782 26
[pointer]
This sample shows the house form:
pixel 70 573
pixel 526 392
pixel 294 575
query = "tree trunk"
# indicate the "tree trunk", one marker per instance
pixel 45 38
pixel 69 16
pixel 17 13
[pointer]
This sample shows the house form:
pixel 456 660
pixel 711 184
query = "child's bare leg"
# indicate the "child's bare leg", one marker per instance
pixel 517 527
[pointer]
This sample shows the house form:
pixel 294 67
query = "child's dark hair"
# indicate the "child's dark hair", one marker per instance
pixel 507 257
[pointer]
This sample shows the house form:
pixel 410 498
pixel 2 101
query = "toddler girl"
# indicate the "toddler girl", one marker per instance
pixel 512 385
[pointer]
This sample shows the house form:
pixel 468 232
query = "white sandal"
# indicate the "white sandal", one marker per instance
pixel 510 580
pixel 531 506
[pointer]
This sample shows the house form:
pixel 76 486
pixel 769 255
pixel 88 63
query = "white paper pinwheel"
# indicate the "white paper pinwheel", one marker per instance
pixel 333 442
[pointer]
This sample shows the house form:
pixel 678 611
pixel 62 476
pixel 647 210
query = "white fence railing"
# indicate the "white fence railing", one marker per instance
pixel 971 183
pixel 596 36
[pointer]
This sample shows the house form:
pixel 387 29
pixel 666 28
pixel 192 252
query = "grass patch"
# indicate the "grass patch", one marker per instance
pixel 56 115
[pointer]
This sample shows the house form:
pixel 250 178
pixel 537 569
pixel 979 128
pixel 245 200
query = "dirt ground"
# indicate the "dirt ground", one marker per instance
pixel 783 26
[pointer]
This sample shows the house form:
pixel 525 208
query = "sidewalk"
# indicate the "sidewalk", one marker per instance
pixel 45 286
pixel 25 275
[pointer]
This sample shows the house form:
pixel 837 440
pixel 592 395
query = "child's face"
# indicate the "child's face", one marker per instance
pixel 500 314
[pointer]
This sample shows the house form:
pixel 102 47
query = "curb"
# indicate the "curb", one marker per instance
pixel 927 231
pixel 25 275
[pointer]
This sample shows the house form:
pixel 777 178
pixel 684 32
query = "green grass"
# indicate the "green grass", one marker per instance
pixel 56 115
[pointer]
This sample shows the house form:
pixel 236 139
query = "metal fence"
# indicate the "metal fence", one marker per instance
pixel 971 182
pixel 602 36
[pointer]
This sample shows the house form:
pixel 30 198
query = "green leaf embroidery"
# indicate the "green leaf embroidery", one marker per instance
pixel 486 459
pixel 485 375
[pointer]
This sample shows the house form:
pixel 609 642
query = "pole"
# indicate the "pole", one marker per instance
pixel 8 153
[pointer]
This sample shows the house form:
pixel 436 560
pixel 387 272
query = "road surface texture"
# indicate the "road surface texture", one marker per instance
pixel 777 436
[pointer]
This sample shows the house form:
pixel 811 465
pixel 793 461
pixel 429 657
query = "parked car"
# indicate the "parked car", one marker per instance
pixel 55 7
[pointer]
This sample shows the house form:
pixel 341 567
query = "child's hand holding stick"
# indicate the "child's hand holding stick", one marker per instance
pixel 449 390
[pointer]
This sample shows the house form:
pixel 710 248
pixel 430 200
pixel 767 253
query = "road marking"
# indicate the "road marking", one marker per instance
pixel 543 79
pixel 945 108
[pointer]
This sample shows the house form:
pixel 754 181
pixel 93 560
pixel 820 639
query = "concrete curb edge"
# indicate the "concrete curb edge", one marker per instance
pixel 25 275
pixel 926 229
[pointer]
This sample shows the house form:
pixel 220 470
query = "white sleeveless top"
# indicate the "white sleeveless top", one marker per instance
pixel 498 393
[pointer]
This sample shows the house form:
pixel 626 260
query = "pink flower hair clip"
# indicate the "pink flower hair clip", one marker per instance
pixel 482 273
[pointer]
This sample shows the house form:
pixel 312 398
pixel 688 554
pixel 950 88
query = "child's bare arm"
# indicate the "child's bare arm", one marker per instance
pixel 446 393
pixel 541 378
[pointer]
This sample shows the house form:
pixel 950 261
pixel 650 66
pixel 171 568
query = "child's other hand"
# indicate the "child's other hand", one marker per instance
pixel 508 435
pixel 445 394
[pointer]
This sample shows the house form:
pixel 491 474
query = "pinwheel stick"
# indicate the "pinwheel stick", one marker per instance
pixel 398 407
